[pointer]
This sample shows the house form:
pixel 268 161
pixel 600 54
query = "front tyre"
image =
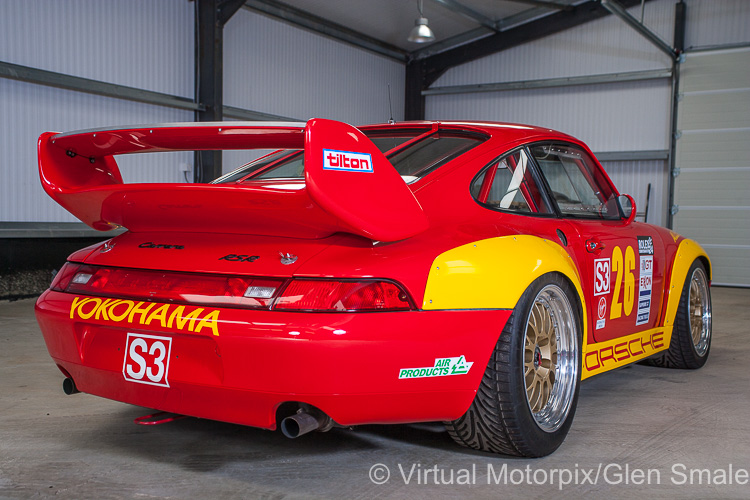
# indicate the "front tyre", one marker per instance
pixel 691 336
pixel 527 398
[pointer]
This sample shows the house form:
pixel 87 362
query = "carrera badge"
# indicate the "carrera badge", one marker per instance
pixel 287 258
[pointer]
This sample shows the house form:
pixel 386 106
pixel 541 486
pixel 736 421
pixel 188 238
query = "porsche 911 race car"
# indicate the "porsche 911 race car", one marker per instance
pixel 471 273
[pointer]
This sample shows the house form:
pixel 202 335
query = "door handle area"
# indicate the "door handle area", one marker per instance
pixel 594 245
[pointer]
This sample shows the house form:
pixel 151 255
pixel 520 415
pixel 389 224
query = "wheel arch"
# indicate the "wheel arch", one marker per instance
pixel 493 274
pixel 687 252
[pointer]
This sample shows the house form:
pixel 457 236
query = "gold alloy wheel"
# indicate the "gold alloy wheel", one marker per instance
pixel 550 358
pixel 540 356
pixel 699 311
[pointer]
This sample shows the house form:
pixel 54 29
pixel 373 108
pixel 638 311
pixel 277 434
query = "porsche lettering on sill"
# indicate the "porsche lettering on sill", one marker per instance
pixel 346 160
pixel 131 312
pixel 443 367
pixel 623 350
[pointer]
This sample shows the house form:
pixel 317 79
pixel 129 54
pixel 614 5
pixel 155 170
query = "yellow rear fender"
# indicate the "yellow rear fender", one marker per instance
pixel 686 254
pixel 494 273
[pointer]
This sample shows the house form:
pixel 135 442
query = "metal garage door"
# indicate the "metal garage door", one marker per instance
pixel 712 189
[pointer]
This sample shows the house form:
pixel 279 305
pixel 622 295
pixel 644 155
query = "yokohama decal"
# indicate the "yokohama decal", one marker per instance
pixel 131 312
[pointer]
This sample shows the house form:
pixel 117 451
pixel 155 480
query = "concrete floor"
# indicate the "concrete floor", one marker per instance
pixel 659 421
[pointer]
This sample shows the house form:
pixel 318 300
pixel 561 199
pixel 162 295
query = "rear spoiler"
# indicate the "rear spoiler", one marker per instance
pixel 349 184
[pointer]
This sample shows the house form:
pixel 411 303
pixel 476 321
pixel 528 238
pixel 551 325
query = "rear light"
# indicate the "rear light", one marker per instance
pixel 232 291
pixel 332 296
pixel 64 275
pixel 187 288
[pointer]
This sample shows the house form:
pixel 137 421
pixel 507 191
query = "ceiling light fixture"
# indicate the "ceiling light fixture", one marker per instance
pixel 421 33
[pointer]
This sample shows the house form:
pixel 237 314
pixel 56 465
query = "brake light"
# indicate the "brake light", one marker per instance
pixel 232 291
pixel 64 275
pixel 188 288
pixel 331 296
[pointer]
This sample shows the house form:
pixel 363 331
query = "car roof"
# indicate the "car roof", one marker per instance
pixel 509 131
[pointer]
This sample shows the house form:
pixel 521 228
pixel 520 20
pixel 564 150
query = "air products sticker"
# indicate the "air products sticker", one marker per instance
pixel 645 280
pixel 442 368
pixel 347 161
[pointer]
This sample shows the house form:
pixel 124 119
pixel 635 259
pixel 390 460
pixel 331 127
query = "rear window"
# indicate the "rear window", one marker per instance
pixel 413 153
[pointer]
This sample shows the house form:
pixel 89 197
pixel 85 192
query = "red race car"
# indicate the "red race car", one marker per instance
pixel 471 273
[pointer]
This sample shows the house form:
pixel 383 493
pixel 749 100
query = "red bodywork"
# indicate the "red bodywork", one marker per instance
pixel 361 225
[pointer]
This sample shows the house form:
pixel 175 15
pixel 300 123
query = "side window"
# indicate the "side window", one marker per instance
pixel 509 185
pixel 576 184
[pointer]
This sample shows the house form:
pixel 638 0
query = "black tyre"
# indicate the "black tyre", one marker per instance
pixel 527 398
pixel 691 336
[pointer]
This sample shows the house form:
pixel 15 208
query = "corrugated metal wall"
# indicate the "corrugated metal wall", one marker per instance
pixel 633 178
pixel 272 67
pixel 609 117
pixel 148 44
pixel 603 46
pixel 28 110
pixel 631 116
pixel 138 43
pixel 717 22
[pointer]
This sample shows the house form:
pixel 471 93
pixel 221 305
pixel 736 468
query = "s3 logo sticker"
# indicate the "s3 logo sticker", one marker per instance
pixel 147 359
pixel 601 276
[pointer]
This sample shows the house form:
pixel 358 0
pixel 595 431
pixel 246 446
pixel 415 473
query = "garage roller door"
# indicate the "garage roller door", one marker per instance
pixel 712 189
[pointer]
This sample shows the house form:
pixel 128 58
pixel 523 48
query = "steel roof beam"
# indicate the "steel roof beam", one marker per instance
pixel 468 13
pixel 305 20
pixel 545 4
pixel 619 11
pixel 76 83
pixel 548 25
pixel 570 81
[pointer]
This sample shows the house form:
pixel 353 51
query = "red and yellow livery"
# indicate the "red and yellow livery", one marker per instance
pixel 473 273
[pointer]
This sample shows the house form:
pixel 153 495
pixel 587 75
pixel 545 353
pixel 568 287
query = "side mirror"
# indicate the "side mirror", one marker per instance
pixel 627 205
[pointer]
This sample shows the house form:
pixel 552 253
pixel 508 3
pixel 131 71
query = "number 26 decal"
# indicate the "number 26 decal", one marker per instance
pixel 625 282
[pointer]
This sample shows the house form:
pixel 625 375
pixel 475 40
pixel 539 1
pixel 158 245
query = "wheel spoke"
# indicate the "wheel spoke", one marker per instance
pixel 551 329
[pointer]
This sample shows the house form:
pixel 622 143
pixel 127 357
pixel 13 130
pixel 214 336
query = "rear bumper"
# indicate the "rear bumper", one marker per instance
pixel 243 365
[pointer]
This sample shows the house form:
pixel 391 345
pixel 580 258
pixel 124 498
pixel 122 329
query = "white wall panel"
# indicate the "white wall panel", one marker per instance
pixel 28 110
pixel 717 22
pixel 275 68
pixel 145 44
pixel 604 46
pixel 633 178
pixel 713 155
pixel 615 117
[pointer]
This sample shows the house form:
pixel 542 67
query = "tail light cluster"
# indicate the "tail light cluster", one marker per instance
pixel 233 291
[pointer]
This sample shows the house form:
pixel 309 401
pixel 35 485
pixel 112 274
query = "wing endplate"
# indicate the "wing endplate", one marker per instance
pixel 348 176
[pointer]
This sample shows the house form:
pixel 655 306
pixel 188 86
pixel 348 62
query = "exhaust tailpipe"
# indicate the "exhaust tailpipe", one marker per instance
pixel 69 386
pixel 303 422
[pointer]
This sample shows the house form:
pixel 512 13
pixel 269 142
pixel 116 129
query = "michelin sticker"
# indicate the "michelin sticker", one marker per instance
pixel 443 367
pixel 645 280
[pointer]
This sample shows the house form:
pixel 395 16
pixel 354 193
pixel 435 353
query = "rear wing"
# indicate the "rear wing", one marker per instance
pixel 350 186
